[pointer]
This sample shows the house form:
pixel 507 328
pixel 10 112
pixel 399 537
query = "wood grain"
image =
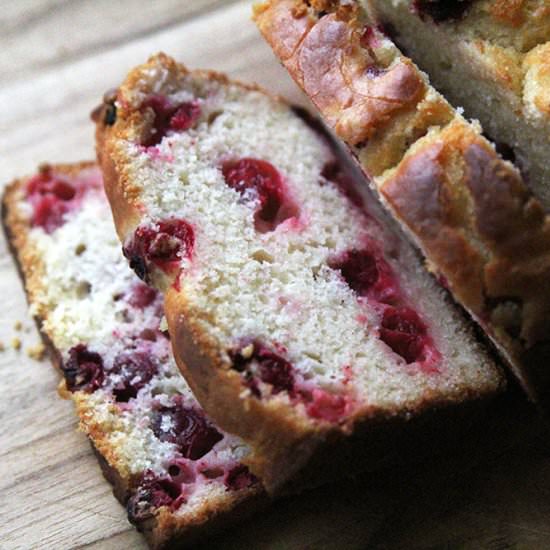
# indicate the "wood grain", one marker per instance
pixel 58 59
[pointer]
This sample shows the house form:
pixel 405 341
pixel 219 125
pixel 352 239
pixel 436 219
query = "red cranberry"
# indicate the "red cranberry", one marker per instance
pixel 368 274
pixel 151 493
pixel 186 116
pixel 261 362
pixel 264 181
pixel 187 428
pixel 239 477
pixel 404 332
pixel 441 10
pixel 134 370
pixel 49 195
pixel 327 406
pixel 162 245
pixel 168 116
pixel 332 171
pixel 142 296
pixel 83 370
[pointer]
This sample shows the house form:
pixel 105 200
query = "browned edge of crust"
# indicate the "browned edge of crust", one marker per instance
pixel 488 237
pixel 163 531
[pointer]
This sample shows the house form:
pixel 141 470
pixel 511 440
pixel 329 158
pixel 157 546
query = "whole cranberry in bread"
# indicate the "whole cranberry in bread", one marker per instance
pixel 298 316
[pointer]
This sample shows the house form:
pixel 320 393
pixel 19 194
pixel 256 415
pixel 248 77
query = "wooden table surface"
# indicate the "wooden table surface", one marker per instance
pixel 58 57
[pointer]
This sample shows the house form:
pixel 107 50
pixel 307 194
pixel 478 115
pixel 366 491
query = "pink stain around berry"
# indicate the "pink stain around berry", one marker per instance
pixel 141 296
pixel 328 406
pixel 256 362
pixel 260 180
pixel 51 197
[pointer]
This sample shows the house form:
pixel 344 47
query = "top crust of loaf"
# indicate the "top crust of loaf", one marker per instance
pixel 283 437
pixel 449 186
pixel 510 41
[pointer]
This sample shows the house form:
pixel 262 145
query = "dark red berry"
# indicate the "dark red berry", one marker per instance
pixel 162 245
pixel 260 180
pixel 404 332
pixel 151 493
pixel 142 296
pixel 441 10
pixel 186 116
pixel 255 360
pixel 187 428
pixel 332 171
pixel 368 274
pixel 83 370
pixel 132 370
pixel 169 116
pixel 239 477
pixel 49 195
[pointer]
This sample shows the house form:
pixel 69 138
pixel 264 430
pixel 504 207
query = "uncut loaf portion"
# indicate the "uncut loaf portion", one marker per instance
pixel 492 58
pixel 300 319
pixel 484 235
pixel 178 474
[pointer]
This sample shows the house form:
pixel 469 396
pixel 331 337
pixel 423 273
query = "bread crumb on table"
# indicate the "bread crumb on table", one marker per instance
pixel 18 325
pixel 37 352
pixel 16 343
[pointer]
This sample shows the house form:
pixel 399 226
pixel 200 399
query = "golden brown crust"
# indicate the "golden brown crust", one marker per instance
pixel 323 57
pixel 165 530
pixel 469 211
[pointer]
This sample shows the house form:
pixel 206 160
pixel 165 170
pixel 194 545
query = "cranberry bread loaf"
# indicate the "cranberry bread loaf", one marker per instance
pixel 483 234
pixel 178 474
pixel 297 317
pixel 492 58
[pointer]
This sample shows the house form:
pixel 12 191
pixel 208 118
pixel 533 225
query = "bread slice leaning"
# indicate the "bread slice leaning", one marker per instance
pixel 482 232
pixel 301 320
pixel 179 475
pixel 493 59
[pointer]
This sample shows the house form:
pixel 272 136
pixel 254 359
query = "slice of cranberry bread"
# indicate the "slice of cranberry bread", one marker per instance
pixel 492 58
pixel 177 472
pixel 484 235
pixel 297 315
